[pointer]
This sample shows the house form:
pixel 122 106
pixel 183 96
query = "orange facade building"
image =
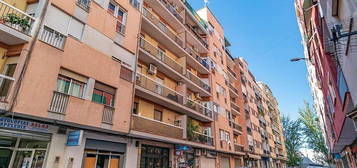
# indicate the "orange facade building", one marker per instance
pixel 134 84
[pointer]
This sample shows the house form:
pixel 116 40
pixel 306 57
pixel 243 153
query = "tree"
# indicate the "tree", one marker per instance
pixel 293 140
pixel 313 134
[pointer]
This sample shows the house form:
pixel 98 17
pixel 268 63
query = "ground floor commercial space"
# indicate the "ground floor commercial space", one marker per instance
pixel 33 144
pixel 348 157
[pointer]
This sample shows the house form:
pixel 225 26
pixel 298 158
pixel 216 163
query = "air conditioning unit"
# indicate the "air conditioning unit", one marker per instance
pixel 152 69
pixel 197 152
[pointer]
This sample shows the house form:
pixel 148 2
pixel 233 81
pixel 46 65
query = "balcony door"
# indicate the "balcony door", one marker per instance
pixel 159 86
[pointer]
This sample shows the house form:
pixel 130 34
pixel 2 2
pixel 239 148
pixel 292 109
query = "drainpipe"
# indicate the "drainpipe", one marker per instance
pixel 28 55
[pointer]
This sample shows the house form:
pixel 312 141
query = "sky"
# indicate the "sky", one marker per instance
pixel 266 34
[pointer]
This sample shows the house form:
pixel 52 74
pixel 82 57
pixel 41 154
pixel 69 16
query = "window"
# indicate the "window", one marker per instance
pixel 71 83
pixel 102 159
pixel 5 84
pixel 342 85
pixel 224 136
pixel 84 4
pixel 157 115
pixel 76 28
pixel 126 74
pixel 121 14
pixel 103 94
pixel 135 3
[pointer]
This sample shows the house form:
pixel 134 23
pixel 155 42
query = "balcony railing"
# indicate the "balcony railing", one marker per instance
pixel 159 54
pixel 108 114
pixel 198 107
pixel 6 83
pixel 201 138
pixel 197 57
pixel 149 84
pixel 53 38
pixel 235 107
pixel 231 72
pixel 233 88
pixel 162 26
pixel 195 79
pixel 59 103
pixel 197 35
pixel 238 148
pixel 172 10
pixel 16 18
pixel 236 126
pixel 148 125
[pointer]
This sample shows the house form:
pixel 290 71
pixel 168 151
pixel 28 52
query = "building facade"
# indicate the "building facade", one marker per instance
pixel 329 39
pixel 134 84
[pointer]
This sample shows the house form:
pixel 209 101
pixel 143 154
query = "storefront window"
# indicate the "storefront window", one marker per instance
pixel 102 159
pixel 154 157
pixel 26 153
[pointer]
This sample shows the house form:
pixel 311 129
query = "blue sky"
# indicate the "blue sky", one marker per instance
pixel 266 34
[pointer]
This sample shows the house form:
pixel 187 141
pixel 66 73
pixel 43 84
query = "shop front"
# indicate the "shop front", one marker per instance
pixel 154 157
pixel 23 144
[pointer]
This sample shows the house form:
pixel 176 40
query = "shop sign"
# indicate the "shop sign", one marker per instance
pixel 23 125
pixel 74 138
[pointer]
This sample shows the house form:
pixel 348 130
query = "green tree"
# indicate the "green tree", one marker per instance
pixel 293 140
pixel 313 133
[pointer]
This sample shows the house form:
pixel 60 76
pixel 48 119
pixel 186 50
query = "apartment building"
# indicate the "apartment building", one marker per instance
pixel 66 82
pixel 108 83
pixel 265 137
pixel 330 46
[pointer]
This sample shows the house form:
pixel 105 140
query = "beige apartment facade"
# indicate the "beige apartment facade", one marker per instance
pixel 108 83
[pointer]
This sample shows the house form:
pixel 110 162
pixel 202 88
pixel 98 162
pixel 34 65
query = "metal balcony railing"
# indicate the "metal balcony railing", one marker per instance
pixel 6 83
pixel 196 56
pixel 172 10
pixel 108 113
pixel 53 38
pixel 84 4
pixel 15 18
pixel 201 138
pixel 153 86
pixel 197 35
pixel 162 26
pixel 159 54
pixel 199 108
pixel 59 103
pixel 231 72
pixel 198 81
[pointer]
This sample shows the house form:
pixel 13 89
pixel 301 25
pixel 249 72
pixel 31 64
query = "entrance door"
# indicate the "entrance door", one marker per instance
pixel 29 158
pixel 225 162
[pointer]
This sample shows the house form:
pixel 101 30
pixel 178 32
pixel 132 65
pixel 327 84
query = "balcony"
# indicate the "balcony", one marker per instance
pixel 53 38
pixel 59 103
pixel 195 60
pixel 231 73
pixel 148 125
pixel 235 108
pixel 159 30
pixel 149 89
pixel 233 90
pixel 172 10
pixel 15 25
pixel 199 108
pixel 151 54
pixel 238 147
pixel 199 85
pixel 236 127
pixel 159 89
pixel 201 138
pixel 195 16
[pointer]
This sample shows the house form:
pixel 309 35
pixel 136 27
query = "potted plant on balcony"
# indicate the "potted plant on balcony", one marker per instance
pixel 15 21
pixel 191 129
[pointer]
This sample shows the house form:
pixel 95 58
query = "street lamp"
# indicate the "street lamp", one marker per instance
pixel 298 59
